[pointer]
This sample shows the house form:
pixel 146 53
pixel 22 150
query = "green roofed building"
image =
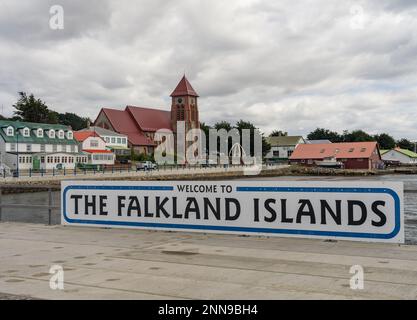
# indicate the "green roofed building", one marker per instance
pixel 28 145
pixel 398 155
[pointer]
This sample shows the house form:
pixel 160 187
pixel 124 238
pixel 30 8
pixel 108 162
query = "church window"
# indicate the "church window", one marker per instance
pixel 180 113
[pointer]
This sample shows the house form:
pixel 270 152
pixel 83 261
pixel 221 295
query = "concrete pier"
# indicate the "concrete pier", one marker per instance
pixel 137 264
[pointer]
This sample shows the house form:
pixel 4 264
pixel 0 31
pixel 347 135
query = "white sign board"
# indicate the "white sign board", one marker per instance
pixel 365 211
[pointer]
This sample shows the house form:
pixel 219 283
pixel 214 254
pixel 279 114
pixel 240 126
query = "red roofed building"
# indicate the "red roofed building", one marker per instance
pixel 140 124
pixel 353 155
pixel 94 147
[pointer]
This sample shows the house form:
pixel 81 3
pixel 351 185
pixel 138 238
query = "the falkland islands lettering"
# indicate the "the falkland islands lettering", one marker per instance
pixel 367 211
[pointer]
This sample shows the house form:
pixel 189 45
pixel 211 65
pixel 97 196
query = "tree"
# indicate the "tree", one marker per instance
pixel 278 133
pixel 223 125
pixel 206 129
pixel 71 119
pixel 240 125
pixel 385 141
pixel 405 144
pixel 324 134
pixel 32 110
pixel 357 136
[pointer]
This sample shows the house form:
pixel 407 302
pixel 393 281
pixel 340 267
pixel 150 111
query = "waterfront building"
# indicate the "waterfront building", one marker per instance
pixel 36 146
pixel 352 155
pixel 115 142
pixel 94 147
pixel 283 146
pixel 139 124
pixel 399 156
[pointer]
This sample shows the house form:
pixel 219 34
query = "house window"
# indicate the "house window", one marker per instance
pixel 51 134
pixel 94 143
pixel 28 147
pixel 42 159
pixel 351 149
pixel 72 148
pixel 26 132
pixel 13 147
pixel 275 153
pixel 70 135
pixel 10 131
pixel 289 153
pixel 113 140
pixel 39 133
pixel 61 134
pixel 119 140
pixel 54 148
pixel 43 148
pixel 124 140
pixel 363 149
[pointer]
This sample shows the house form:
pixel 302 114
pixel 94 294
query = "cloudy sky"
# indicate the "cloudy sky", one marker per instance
pixel 289 65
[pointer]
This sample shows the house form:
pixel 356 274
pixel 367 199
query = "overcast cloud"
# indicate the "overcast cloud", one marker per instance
pixel 288 65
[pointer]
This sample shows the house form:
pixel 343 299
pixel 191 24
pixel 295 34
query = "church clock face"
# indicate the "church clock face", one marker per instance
pixel 179 100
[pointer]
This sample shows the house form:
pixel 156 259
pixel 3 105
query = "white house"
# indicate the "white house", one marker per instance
pixel 116 142
pixel 36 146
pixel 283 146
pixel 399 155
pixel 95 147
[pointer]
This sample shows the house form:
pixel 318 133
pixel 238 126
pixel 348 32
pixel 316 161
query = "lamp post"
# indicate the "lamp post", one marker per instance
pixel 17 152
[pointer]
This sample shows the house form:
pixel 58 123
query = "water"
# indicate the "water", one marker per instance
pixel 41 215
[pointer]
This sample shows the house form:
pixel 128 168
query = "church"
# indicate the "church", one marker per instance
pixel 139 124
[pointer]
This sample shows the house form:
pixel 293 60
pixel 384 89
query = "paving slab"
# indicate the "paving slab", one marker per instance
pixel 102 263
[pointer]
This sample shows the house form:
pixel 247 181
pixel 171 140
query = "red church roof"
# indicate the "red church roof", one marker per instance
pixel 123 122
pixel 338 150
pixel 184 88
pixel 150 119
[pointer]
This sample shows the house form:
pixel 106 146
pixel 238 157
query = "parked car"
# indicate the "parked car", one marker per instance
pixel 124 161
pixel 146 165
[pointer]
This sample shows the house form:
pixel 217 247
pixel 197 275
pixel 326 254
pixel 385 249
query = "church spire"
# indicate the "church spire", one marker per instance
pixel 184 88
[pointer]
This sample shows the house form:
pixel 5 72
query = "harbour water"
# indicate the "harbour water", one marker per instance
pixel 41 215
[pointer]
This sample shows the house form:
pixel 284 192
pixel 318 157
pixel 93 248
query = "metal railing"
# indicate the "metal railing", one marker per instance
pixel 29 173
pixel 49 206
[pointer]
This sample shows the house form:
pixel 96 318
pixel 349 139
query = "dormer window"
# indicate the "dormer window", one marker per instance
pixel 61 134
pixel 70 135
pixel 52 134
pixel 39 133
pixel 10 131
pixel 26 132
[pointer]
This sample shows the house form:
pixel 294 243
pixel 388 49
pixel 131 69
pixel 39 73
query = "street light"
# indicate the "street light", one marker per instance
pixel 17 152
